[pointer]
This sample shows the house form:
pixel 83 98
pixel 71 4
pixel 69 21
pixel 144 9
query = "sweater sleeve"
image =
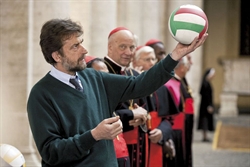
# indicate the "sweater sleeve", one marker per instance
pixel 123 88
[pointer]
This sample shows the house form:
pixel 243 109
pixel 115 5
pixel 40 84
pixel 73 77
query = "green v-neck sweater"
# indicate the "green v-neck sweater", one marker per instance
pixel 61 117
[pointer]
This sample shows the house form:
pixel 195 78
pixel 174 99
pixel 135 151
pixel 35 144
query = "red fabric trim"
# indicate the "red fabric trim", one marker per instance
pixel 179 124
pixel 120 145
pixel 189 106
pixel 155 157
pixel 146 149
pixel 179 120
pixel 155 153
pixel 138 153
pixel 131 137
pixel 155 120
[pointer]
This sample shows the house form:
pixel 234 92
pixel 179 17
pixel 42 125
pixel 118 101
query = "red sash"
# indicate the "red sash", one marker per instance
pixel 189 106
pixel 179 121
pixel 120 145
pixel 155 154
pixel 179 124
pixel 131 137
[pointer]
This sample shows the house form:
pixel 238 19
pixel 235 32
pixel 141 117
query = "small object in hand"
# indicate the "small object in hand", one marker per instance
pixel 117 137
pixel 149 121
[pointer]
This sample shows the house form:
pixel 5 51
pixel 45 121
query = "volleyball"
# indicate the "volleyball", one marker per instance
pixel 187 22
pixel 11 156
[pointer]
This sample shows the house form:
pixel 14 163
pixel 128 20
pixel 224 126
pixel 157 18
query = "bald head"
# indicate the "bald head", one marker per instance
pixel 121 47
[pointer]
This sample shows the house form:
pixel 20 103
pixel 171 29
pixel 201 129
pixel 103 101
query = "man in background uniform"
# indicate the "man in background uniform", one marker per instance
pixel 121 48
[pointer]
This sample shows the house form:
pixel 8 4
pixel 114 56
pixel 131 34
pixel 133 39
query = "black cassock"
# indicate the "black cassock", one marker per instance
pixel 134 137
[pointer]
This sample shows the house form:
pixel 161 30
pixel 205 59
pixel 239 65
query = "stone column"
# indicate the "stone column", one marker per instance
pixel 22 64
pixel 228 105
pixel 142 17
pixel 14 43
pixel 194 75
pixel 236 82
pixel 128 16
pixel 81 12
pixel 102 20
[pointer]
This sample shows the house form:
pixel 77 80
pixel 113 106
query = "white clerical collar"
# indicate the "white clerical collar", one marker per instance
pixel 176 76
pixel 122 67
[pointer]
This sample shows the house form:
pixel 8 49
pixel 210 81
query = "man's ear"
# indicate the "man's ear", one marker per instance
pixel 56 56
pixel 109 47
pixel 111 44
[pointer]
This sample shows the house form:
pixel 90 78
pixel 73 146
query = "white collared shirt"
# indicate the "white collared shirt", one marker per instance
pixel 63 77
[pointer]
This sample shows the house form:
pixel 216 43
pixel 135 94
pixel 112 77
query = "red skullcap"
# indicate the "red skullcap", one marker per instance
pixel 152 41
pixel 138 47
pixel 89 58
pixel 116 30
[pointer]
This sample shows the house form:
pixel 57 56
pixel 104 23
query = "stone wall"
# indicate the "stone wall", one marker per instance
pixel 237 76
pixel 236 82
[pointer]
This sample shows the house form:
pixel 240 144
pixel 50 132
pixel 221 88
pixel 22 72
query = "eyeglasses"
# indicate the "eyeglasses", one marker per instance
pixel 149 59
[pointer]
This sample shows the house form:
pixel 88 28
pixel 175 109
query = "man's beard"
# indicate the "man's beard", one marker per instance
pixel 77 68
pixel 70 66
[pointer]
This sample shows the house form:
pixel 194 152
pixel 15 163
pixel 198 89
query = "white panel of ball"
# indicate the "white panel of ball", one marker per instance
pixel 186 36
pixel 190 18
pixel 11 156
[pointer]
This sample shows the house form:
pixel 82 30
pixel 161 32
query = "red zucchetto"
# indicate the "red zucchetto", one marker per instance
pixel 152 41
pixel 138 47
pixel 116 30
pixel 89 58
